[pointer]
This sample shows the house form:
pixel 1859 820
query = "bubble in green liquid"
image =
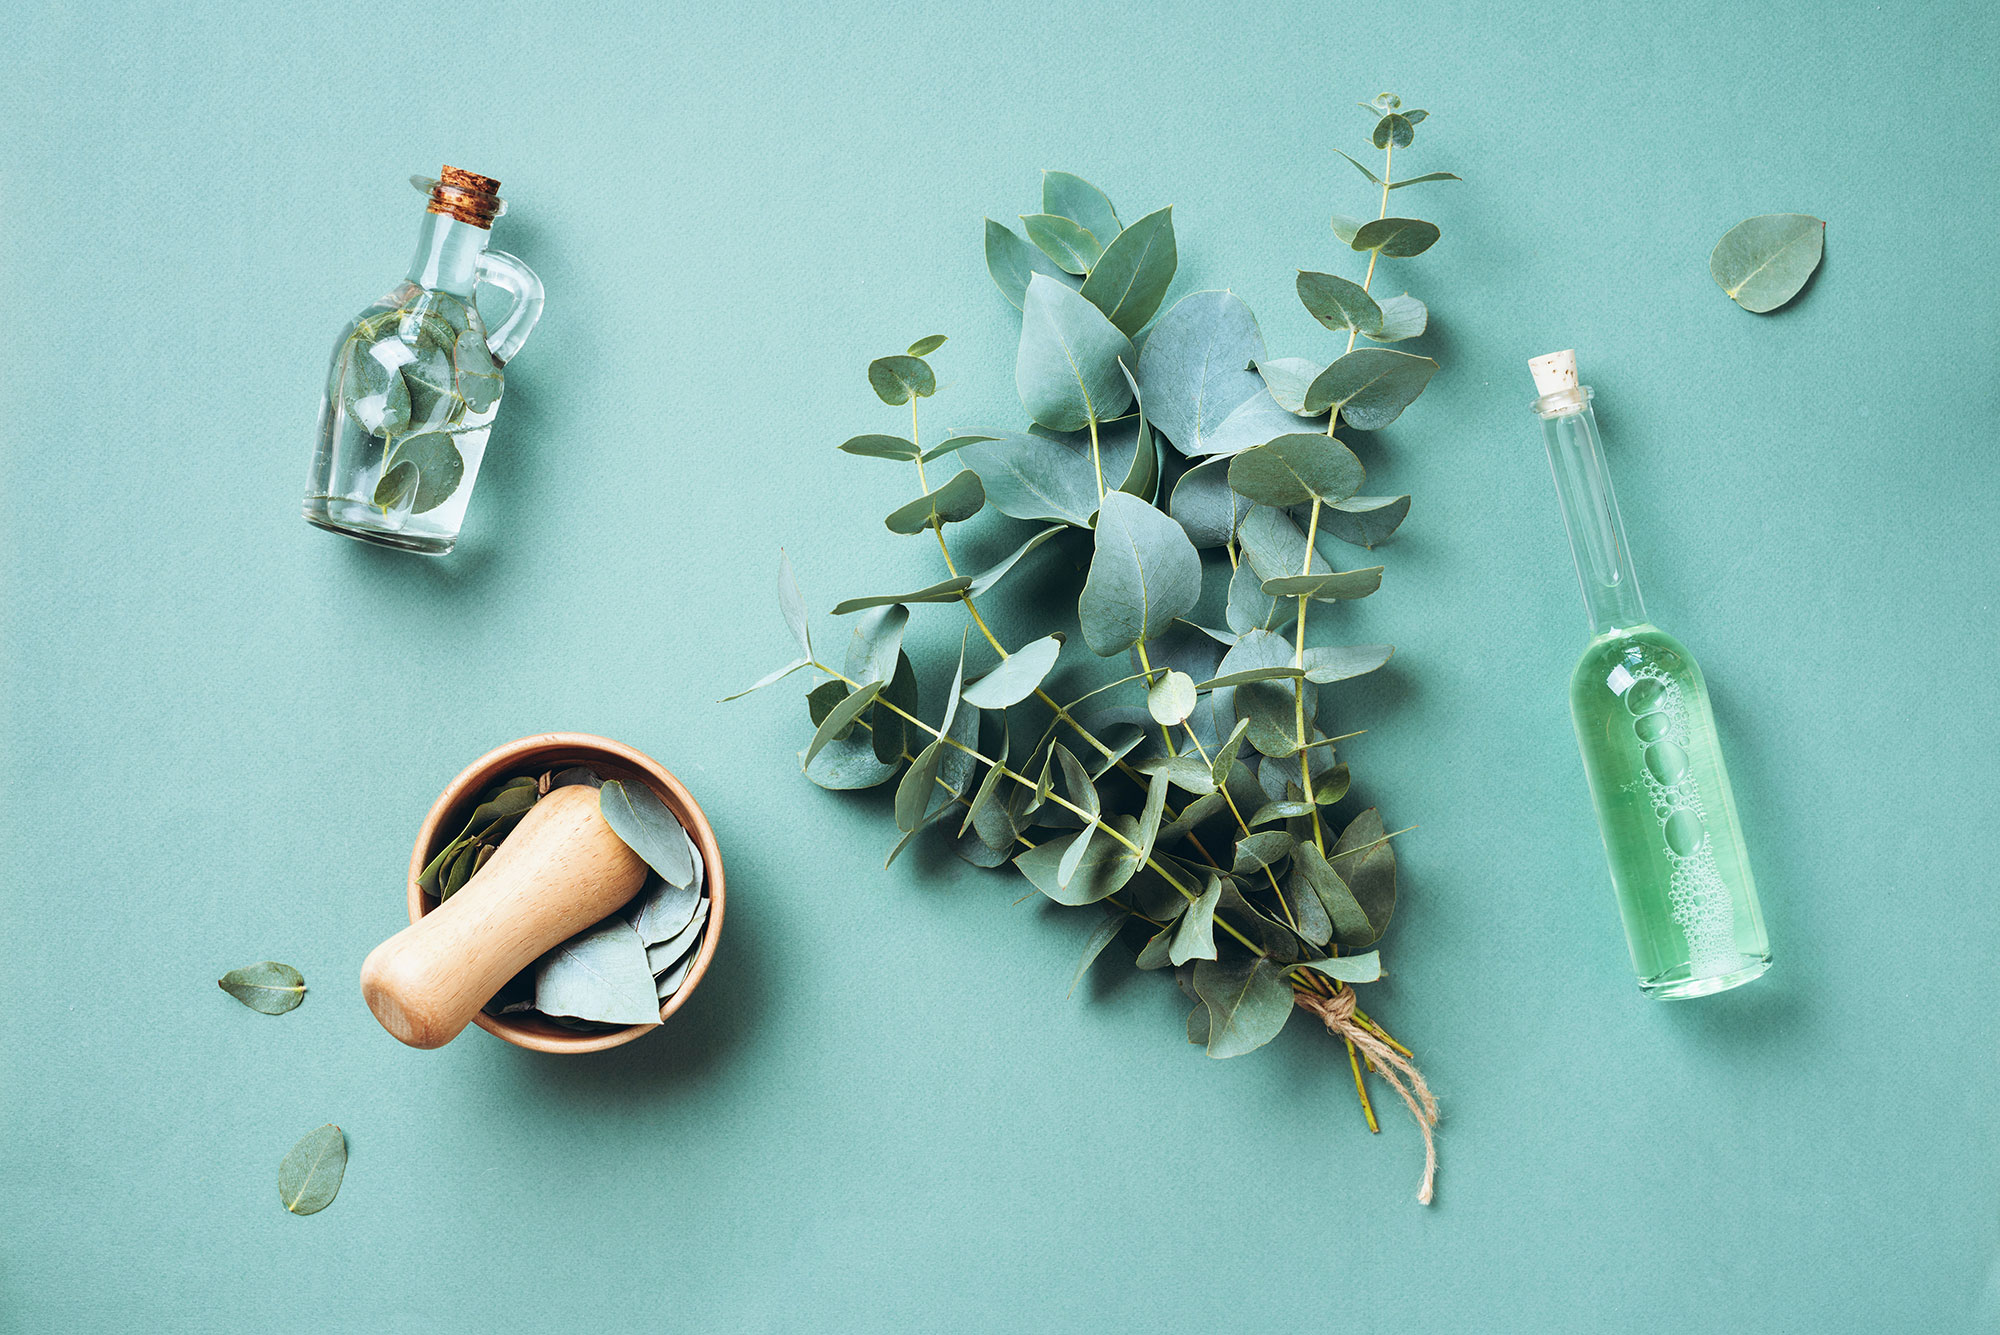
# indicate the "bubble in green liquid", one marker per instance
pixel 1645 696
pixel 1667 762
pixel 1684 832
pixel 1652 727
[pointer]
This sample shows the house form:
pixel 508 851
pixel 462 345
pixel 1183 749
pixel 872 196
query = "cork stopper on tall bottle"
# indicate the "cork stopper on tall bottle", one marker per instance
pixel 1554 371
pixel 467 196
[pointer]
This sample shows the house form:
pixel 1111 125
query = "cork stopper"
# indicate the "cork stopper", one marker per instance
pixel 466 196
pixel 1554 372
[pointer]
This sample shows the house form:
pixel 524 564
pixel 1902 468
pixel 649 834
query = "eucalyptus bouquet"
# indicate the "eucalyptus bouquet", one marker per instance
pixel 1203 811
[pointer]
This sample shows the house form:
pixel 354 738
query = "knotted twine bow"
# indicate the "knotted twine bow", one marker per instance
pixel 1337 1014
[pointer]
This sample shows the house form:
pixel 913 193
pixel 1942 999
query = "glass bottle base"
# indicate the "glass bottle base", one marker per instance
pixel 1679 985
pixel 422 543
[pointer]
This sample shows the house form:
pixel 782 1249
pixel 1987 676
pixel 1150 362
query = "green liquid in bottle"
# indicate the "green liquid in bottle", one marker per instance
pixel 1666 814
pixel 1650 750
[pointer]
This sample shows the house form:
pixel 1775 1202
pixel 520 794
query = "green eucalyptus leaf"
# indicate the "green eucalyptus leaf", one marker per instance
pixel 1142 479
pixel 1348 968
pixel 917 786
pixel 1100 936
pixel 1017 676
pixel 881 447
pixel 1145 573
pixel 396 489
pixel 1193 814
pixel 1283 809
pixel 1352 927
pixel 1338 662
pixel 822 698
pixel 1277 938
pixel 952 446
pixel 1104 870
pixel 841 716
pixel 1171 699
pixel 1296 468
pixel 1393 131
pixel 1224 760
pixel 1186 771
pixel 876 643
pixel 1402 317
pixel 1396 238
pixel 991 576
pixel 1194 938
pixel 1077 780
pixel 983 806
pixel 778 674
pixel 439 465
pixel 1314 927
pixel 1192 369
pixel 1763 262
pixel 1243 677
pixel 1365 520
pixel 1067 370
pixel 1072 197
pixel 459 872
pixel 309 1177
pixel 636 815
pixel 1205 507
pixel 1330 787
pixel 268 986
pixel 1358 166
pixel 371 385
pixel 1073 856
pixel 602 974
pixel 1345 227
pixel 1367 864
pixel 1333 587
pixel 1248 1004
pixel 1030 476
pixel 1273 545
pixel 1370 387
pixel 1012 262
pixel 958 499
pixel 1149 816
pixel 925 346
pixel 1288 378
pixel 888 730
pixel 1073 247
pixel 1131 278
pixel 1254 852
pixel 945 591
pixel 1257 419
pixel 1157 953
pixel 847 763
pixel 793 604
pixel 1337 303
pixel 896 380
pixel 1426 177
pixel 1250 608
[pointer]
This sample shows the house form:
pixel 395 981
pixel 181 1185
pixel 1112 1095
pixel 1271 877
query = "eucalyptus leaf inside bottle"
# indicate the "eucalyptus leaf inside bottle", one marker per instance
pixel 415 380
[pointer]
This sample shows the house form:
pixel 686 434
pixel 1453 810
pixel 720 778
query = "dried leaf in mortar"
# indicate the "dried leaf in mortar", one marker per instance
pixel 669 952
pixel 309 1178
pixel 663 910
pixel 636 815
pixel 575 774
pixel 269 987
pixel 601 975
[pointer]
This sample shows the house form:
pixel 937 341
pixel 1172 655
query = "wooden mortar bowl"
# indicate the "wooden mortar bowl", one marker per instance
pixel 612 760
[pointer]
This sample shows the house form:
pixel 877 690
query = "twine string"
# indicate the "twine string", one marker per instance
pixel 1337 1014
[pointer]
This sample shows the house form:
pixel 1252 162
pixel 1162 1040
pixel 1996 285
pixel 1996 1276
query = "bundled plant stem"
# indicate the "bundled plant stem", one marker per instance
pixel 1209 815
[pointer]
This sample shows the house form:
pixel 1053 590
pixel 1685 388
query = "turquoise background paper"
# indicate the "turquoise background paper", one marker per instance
pixel 881 1112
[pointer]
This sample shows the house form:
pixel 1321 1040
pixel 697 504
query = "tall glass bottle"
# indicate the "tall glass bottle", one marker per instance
pixel 1650 750
pixel 415 381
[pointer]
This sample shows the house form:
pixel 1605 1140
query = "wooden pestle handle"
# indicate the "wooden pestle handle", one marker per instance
pixel 561 870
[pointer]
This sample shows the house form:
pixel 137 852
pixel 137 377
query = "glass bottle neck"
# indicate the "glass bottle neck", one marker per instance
pixel 447 258
pixel 1590 512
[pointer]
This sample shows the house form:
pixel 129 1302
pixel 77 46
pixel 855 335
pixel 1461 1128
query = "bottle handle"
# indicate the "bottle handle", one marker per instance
pixel 518 280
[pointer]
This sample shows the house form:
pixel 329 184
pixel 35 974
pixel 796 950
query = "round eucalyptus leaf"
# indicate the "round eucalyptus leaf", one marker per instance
pixel 898 379
pixel 1296 468
pixel 1145 574
pixel 440 465
pixel 1370 387
pixel 396 488
pixel 1074 247
pixel 1337 303
pixel 1762 262
pixel 1067 368
pixel 1171 699
pixel 1072 197
pixel 1396 238
pixel 309 1177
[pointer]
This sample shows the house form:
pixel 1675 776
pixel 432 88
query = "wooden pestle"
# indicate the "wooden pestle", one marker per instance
pixel 561 870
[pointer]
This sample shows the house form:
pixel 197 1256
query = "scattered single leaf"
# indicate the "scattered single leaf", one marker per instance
pixel 268 986
pixel 309 1177
pixel 1762 262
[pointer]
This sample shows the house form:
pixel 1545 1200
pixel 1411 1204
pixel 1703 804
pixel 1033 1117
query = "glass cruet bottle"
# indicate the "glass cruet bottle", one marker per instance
pixel 1648 737
pixel 415 380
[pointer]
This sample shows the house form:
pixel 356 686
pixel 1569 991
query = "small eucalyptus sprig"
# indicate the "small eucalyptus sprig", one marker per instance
pixel 1206 811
